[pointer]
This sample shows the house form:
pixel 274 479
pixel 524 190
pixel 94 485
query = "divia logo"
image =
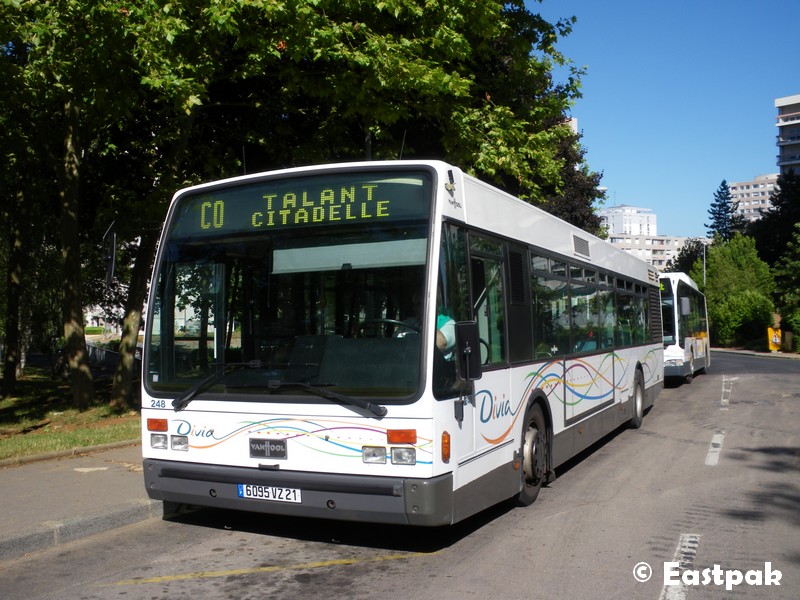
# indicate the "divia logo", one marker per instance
pixel 492 408
pixel 186 428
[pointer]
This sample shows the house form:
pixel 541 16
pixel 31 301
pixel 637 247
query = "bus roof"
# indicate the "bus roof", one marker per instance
pixel 675 277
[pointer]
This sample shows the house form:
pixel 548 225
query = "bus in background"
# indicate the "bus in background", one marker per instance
pixel 687 345
pixel 391 342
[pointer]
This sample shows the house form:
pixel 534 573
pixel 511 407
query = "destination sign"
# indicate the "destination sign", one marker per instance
pixel 319 200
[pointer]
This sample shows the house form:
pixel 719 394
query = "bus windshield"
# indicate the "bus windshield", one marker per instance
pixel 301 283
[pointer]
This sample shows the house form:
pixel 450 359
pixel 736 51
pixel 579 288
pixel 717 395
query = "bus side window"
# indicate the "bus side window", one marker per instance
pixel 551 316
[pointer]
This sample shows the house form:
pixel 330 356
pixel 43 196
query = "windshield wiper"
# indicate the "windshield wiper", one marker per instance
pixel 182 401
pixel 375 409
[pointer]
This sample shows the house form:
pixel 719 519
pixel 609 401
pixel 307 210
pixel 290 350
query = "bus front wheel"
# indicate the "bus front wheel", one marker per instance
pixel 534 456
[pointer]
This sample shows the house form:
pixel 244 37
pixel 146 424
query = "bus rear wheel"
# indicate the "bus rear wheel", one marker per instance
pixel 690 375
pixel 637 402
pixel 534 456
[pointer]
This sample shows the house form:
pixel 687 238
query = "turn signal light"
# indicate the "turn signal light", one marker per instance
pixel 157 425
pixel 401 436
pixel 445 447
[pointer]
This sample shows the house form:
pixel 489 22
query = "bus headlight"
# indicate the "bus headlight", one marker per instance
pixel 158 441
pixel 180 442
pixel 373 455
pixel 404 456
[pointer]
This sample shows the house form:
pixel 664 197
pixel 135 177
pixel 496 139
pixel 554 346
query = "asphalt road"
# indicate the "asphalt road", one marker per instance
pixel 709 482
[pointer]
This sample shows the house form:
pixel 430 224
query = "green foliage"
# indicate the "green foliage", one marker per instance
pixel 741 319
pixel 790 322
pixel 738 290
pixel 733 266
pixel 724 220
pixel 787 275
pixel 167 93
pixel 776 227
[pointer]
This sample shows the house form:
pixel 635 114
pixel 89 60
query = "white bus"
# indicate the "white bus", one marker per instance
pixel 687 348
pixel 390 342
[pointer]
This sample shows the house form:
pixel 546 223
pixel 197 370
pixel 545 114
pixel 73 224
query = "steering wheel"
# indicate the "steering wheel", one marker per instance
pixel 376 322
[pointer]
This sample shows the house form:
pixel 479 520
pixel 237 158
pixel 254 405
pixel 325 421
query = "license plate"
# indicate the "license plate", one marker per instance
pixel 269 492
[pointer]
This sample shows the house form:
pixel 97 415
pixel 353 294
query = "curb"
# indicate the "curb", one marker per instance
pixel 783 355
pixel 24 460
pixel 53 533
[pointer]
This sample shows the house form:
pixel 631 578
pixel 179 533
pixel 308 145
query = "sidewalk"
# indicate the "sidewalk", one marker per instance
pixel 64 498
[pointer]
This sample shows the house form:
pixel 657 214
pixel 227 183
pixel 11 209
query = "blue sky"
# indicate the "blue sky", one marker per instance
pixel 679 95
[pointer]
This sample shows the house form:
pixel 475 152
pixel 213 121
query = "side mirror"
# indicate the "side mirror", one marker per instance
pixel 686 308
pixel 468 351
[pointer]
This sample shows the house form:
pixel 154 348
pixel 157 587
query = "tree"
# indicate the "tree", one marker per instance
pixel 787 279
pixel 724 220
pixel 76 69
pixel 580 189
pixel 357 81
pixel 693 250
pixel 738 291
pixel 152 95
pixel 28 191
pixel 775 229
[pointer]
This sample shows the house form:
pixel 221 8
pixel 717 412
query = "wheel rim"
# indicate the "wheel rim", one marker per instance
pixel 533 465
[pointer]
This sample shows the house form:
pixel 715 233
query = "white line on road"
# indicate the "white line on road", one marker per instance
pixel 685 554
pixel 712 458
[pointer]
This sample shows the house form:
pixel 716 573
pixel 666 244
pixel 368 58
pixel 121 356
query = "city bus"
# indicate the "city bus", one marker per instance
pixel 388 342
pixel 687 345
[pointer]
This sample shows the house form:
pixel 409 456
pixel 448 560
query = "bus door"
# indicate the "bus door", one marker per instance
pixel 494 405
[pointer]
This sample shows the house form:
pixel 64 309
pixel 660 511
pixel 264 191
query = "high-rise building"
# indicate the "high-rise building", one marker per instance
pixel 753 196
pixel 656 250
pixel 788 133
pixel 629 220
pixel 634 230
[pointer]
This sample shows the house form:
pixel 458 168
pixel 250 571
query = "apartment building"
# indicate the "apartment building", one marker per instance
pixel 630 220
pixel 788 123
pixel 656 250
pixel 635 231
pixel 753 196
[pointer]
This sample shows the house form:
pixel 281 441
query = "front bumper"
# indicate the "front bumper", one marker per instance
pixel 405 501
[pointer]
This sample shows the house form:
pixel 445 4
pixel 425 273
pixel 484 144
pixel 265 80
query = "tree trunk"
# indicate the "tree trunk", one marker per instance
pixel 122 393
pixel 81 379
pixel 16 259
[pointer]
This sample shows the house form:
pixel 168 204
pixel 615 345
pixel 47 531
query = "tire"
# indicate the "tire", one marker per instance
pixel 637 402
pixel 690 375
pixel 534 454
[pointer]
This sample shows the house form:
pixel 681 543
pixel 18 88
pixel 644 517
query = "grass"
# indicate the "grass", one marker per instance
pixel 39 418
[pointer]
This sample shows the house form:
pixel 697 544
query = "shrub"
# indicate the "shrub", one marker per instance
pixel 742 319
pixel 791 322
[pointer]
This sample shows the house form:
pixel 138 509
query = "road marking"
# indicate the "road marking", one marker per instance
pixel 90 469
pixel 271 569
pixel 712 458
pixel 685 554
pixel 727 391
